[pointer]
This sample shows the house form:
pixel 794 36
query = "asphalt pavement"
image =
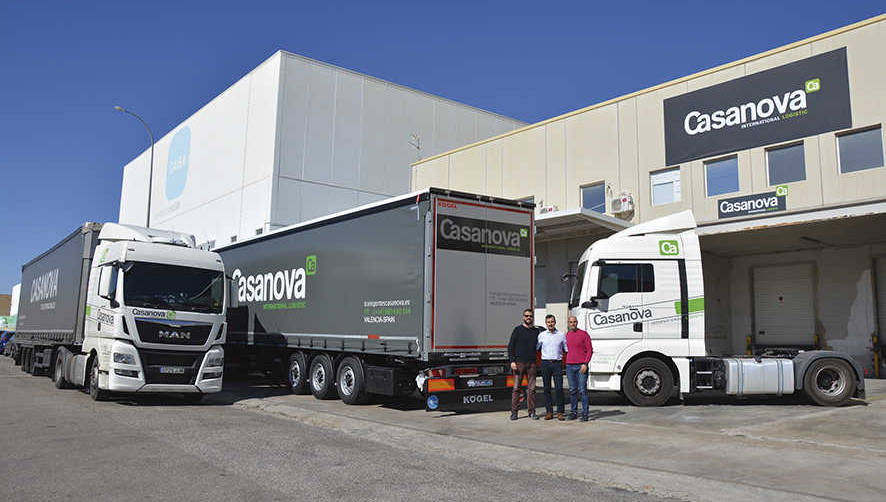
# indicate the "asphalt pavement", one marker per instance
pixel 60 445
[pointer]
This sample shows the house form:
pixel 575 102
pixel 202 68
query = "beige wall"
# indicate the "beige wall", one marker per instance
pixel 622 141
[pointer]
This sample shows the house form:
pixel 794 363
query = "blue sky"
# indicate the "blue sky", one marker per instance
pixel 66 64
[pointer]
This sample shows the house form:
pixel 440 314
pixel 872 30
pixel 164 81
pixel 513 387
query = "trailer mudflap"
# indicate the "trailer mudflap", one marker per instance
pixel 469 400
pixel 471 393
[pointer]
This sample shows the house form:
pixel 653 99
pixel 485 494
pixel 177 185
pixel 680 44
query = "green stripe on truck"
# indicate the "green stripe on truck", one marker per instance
pixel 695 305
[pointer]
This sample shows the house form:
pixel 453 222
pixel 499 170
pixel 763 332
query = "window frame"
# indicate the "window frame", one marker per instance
pixel 792 144
pixel 641 271
pixel 858 130
pixel 652 185
pixel 581 195
pixel 721 159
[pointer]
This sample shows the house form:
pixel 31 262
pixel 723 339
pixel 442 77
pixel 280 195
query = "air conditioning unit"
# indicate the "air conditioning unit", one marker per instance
pixel 546 209
pixel 623 206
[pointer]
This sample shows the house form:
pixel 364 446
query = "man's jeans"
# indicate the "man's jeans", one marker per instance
pixel 578 385
pixel 552 369
pixel 527 370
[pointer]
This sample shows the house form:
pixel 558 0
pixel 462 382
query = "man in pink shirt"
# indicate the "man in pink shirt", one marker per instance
pixel 578 356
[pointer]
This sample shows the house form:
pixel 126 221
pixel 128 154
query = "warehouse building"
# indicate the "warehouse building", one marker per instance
pixel 779 156
pixel 292 140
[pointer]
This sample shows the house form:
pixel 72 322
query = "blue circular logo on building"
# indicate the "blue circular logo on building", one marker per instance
pixel 177 163
pixel 433 402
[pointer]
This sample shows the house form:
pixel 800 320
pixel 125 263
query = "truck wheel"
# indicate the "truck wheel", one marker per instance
pixel 829 382
pixel 351 381
pixel 298 373
pixel 322 377
pixel 648 382
pixel 58 372
pixel 28 361
pixel 94 392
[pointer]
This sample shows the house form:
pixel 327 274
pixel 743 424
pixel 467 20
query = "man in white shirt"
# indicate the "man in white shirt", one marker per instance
pixel 552 344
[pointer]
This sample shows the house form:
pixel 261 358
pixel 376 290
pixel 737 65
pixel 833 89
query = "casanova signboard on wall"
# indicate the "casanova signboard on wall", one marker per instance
pixel 799 99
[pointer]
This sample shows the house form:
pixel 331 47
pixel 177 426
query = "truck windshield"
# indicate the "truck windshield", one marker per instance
pixel 171 287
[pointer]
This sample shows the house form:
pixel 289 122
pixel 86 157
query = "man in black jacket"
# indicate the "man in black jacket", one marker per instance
pixel 521 352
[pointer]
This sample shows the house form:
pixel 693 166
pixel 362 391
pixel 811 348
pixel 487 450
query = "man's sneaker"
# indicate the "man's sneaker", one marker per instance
pixel 549 416
pixel 513 416
pixel 584 418
pixel 560 417
pixel 533 416
pixel 572 416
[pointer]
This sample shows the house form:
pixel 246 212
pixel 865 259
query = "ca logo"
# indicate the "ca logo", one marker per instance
pixel 311 265
pixel 781 191
pixel 813 85
pixel 524 232
pixel 668 248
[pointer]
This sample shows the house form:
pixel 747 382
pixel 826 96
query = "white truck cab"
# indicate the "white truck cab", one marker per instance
pixel 640 295
pixel 155 315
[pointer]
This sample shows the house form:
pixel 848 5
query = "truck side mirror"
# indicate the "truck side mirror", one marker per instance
pixel 233 299
pixel 107 285
pixel 590 304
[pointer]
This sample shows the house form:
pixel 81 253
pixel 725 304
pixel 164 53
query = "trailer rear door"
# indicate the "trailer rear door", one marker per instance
pixel 482 273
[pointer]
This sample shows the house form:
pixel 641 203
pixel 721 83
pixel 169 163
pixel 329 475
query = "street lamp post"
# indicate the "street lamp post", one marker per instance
pixel 151 165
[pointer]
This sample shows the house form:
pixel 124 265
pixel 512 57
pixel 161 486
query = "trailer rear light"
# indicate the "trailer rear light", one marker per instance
pixel 469 370
pixel 437 373
pixel 441 384
pixel 511 381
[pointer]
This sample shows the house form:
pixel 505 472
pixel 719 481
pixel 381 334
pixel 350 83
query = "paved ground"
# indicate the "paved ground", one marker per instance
pixel 60 445
pixel 709 448
pixel 255 442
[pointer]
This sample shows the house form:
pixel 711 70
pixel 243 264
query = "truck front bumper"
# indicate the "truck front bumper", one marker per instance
pixel 164 371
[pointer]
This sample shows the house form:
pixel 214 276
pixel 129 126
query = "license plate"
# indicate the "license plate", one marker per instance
pixel 485 382
pixel 172 370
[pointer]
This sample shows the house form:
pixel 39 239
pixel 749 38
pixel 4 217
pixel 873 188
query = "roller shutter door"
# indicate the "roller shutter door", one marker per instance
pixel 784 306
pixel 881 296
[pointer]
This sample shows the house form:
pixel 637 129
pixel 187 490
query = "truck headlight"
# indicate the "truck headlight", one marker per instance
pixel 215 360
pixel 123 358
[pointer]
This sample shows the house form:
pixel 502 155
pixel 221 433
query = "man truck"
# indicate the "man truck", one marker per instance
pixel 640 295
pixel 124 309
pixel 417 292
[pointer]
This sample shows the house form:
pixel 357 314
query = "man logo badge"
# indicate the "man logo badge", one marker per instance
pixel 668 248
pixel 174 335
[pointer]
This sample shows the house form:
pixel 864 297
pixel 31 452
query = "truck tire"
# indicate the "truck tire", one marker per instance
pixel 94 392
pixel 322 377
pixel 829 382
pixel 58 371
pixel 298 374
pixel 27 361
pixel 648 382
pixel 352 381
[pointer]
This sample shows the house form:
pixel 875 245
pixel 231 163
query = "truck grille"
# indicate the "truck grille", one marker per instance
pixel 155 361
pixel 176 333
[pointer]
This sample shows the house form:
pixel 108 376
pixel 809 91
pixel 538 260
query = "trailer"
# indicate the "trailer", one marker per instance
pixel 413 293
pixel 640 295
pixel 124 309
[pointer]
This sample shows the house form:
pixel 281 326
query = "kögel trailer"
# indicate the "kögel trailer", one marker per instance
pixel 418 292
pixel 640 295
pixel 119 308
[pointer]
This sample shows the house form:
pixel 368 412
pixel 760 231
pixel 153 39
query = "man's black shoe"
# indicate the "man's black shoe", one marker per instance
pixel 513 416
pixel 572 416
pixel 533 416
pixel 584 418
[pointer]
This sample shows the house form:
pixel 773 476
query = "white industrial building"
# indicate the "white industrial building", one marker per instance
pixel 293 139
pixel 778 155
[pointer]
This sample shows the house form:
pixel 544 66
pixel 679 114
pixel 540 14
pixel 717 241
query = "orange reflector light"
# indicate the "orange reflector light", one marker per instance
pixel 440 384
pixel 471 370
pixel 511 381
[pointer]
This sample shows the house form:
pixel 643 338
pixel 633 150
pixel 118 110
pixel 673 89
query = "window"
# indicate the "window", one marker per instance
pixel 578 281
pixel 665 186
pixel 626 278
pixel 722 176
pixel 786 164
pixel 593 197
pixel 860 150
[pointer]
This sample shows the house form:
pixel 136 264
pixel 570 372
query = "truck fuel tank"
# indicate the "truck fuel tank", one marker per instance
pixel 748 376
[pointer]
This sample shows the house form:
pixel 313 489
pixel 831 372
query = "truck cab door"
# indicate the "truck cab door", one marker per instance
pixel 617 313
pixel 660 283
